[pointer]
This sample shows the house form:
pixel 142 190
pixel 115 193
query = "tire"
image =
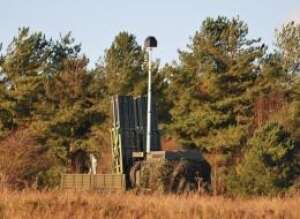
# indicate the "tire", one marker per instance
pixel 186 175
pixel 134 172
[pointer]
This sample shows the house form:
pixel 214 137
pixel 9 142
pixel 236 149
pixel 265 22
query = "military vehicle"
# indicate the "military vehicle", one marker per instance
pixel 137 158
pixel 135 168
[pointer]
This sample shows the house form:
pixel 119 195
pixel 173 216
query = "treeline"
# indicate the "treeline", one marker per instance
pixel 228 96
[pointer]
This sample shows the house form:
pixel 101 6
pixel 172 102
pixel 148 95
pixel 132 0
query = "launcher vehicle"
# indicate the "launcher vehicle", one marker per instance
pixel 135 168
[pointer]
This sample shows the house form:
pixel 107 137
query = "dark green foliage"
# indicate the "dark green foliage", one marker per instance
pixel 123 66
pixel 211 105
pixel 32 54
pixel 48 92
pixel 270 165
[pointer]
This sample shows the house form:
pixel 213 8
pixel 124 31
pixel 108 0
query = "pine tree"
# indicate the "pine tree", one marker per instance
pixel 211 105
pixel 288 43
pixel 123 66
pixel 209 88
pixel 46 94
pixel 29 61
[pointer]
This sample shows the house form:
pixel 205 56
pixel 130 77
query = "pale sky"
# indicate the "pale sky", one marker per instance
pixel 94 23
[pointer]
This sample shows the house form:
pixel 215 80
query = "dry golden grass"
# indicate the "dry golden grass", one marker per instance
pixel 58 204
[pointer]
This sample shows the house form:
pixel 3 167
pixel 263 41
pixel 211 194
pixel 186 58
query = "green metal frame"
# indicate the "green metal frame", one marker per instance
pixel 117 158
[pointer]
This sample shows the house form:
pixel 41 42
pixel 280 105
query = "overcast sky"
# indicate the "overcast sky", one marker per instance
pixel 94 23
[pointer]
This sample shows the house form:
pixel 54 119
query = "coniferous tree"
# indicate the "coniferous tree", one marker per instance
pixel 27 64
pixel 288 43
pixel 46 93
pixel 123 66
pixel 212 108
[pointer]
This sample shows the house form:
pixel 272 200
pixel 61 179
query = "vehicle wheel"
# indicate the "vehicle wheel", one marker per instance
pixel 134 174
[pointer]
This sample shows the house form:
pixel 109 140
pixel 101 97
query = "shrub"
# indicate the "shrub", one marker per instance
pixel 50 178
pixel 270 165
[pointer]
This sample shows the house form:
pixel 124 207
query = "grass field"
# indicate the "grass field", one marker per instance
pixel 57 204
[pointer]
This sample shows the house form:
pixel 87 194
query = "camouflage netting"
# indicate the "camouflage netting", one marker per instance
pixel 171 176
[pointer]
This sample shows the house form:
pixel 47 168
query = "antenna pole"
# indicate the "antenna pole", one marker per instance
pixel 150 43
pixel 148 140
